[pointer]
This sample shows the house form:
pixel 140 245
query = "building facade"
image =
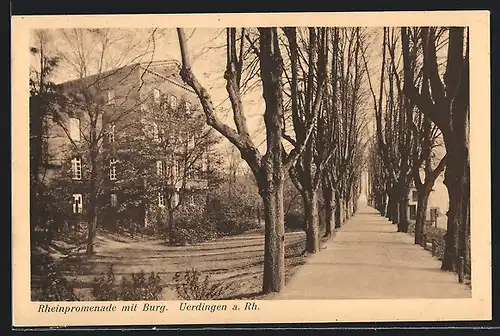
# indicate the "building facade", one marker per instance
pixel 130 141
pixel 437 204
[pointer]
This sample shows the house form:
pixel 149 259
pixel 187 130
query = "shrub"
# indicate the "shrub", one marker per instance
pixel 294 221
pixel 193 286
pixel 191 226
pixel 104 288
pixel 54 286
pixel 138 288
pixel 233 208
pixel 141 287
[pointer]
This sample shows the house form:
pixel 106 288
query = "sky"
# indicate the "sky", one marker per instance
pixel 207 52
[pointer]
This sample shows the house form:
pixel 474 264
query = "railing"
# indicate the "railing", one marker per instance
pixel 433 245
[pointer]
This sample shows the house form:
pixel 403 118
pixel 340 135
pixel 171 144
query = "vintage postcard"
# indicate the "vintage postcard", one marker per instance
pixel 251 168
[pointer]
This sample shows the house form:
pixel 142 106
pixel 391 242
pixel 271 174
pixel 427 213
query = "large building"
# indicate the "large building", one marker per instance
pixel 125 139
pixel 437 204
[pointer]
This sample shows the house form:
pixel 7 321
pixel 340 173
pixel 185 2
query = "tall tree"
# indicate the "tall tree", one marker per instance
pixel 165 161
pixel 93 100
pixel 393 118
pixel 269 168
pixel 444 98
pixel 42 100
pixel 349 123
pixel 308 109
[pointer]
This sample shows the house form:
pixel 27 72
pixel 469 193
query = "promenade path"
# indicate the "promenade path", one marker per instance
pixel 369 259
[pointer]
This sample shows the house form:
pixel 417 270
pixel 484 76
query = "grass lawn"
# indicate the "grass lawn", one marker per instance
pixel 236 259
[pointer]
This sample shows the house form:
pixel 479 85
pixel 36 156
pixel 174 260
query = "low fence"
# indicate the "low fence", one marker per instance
pixel 436 246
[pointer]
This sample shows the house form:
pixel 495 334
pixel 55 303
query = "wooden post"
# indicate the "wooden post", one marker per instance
pixel 424 241
pixel 461 270
pixel 433 247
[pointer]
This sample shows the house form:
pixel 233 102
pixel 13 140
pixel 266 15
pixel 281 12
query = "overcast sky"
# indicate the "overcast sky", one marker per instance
pixel 207 51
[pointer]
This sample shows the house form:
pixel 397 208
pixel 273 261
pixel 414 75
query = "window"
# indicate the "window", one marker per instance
pixel 114 200
pixel 413 211
pixel 111 132
pixel 414 195
pixel 156 133
pixel 74 129
pixel 76 169
pixel 176 199
pixel 178 169
pixel 156 95
pixel 173 102
pixel 161 199
pixel 111 97
pixel 77 203
pixel 159 168
pixel 112 169
pixel 191 142
pixel 204 162
pixel 188 107
pixel 434 213
pixel 191 199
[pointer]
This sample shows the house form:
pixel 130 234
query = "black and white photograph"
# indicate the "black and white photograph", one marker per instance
pixel 223 169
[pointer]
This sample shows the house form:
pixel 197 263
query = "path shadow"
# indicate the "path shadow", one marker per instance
pixel 396 267
pixel 384 242
pixel 369 231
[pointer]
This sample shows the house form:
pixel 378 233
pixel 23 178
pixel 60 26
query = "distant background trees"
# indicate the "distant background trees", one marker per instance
pixel 294 72
pixel 424 95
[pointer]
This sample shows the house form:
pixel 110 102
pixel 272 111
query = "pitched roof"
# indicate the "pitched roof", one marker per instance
pixel 156 68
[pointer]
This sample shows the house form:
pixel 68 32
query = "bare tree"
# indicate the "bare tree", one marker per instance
pixel 269 168
pixel 394 142
pixel 306 111
pixel 93 100
pixel 445 100
pixel 175 160
pixel 348 121
pixel 43 98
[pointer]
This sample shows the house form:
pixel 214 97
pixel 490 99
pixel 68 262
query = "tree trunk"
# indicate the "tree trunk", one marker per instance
pixel 403 223
pixel 92 223
pixel 383 205
pixel 459 197
pixel 393 208
pixel 389 208
pixel 422 203
pixel 329 209
pixel 258 215
pixel 338 210
pixel 467 257
pixel 395 212
pixel 310 199
pixel 92 226
pixel 395 197
pixel 170 215
pixel 345 207
pixel 274 246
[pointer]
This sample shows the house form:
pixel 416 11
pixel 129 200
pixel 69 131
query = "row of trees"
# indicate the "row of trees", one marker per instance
pixel 422 103
pixel 311 80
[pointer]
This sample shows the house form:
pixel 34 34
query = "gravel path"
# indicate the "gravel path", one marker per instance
pixel 368 259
